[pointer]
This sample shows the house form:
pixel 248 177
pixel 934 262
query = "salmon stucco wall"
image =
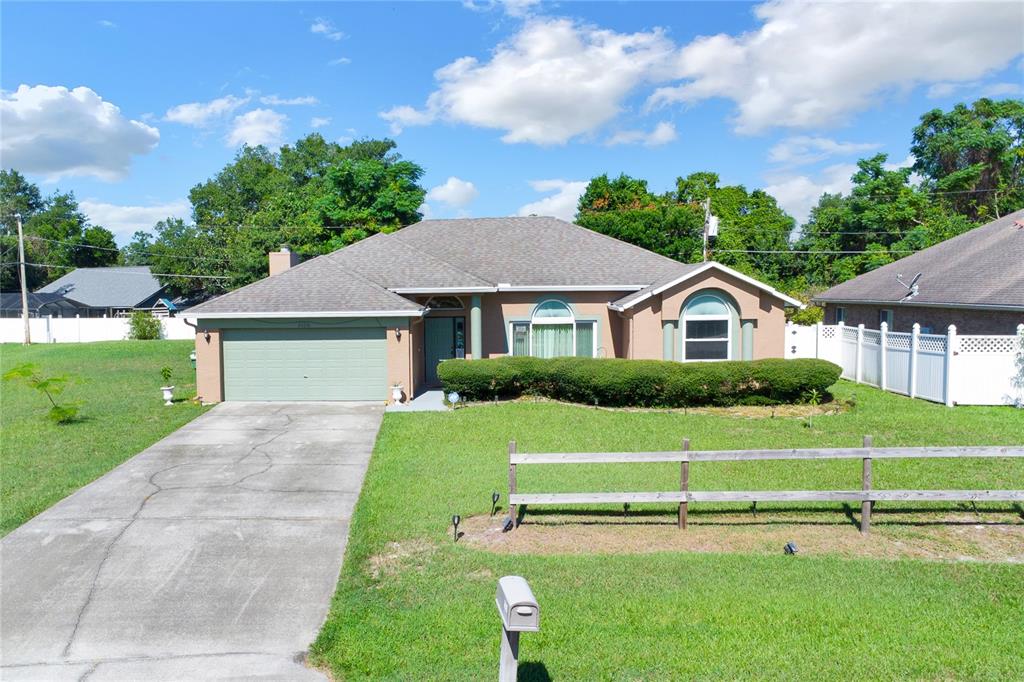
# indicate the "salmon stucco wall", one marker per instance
pixel 764 310
pixel 209 384
pixel 498 310
pixel 400 347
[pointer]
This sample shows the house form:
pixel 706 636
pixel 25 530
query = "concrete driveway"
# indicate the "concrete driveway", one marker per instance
pixel 211 555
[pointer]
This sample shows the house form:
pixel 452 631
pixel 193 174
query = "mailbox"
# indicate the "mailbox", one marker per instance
pixel 516 605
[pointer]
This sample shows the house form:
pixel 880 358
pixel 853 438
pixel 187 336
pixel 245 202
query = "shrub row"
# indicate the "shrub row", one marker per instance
pixel 640 383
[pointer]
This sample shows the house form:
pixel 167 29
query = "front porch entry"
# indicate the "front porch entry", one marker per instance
pixel 444 339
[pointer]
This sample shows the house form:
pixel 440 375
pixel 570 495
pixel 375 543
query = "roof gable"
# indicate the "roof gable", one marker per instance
pixel 691 271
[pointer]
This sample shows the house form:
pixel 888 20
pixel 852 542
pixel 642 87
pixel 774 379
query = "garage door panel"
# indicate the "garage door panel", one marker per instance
pixel 305 364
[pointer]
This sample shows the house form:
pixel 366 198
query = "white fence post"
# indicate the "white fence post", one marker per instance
pixel 914 343
pixel 859 366
pixel 817 339
pixel 78 326
pixel 948 369
pixel 883 338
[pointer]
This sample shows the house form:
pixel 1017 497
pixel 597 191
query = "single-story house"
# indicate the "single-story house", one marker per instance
pixel 40 305
pixel 974 281
pixel 113 291
pixel 384 311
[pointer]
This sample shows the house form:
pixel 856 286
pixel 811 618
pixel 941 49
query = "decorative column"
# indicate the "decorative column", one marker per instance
pixel 667 339
pixel 476 339
pixel 747 340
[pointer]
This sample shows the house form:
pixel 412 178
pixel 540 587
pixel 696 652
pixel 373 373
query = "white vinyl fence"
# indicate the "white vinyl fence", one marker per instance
pixel 945 368
pixel 80 329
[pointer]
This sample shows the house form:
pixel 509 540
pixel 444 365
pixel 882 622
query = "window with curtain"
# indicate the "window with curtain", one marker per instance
pixel 707 323
pixel 553 332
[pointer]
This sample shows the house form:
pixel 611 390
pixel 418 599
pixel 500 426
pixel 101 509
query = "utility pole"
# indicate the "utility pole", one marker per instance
pixel 24 283
pixel 710 226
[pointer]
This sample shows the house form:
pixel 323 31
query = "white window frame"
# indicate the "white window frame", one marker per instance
pixel 840 314
pixel 888 316
pixel 571 321
pixel 708 318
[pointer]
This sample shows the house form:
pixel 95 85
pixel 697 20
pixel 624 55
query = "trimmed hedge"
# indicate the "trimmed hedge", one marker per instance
pixel 640 383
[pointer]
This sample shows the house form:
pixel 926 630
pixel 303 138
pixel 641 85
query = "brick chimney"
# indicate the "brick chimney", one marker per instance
pixel 282 260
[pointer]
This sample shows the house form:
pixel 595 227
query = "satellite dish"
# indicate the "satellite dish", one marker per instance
pixel 912 289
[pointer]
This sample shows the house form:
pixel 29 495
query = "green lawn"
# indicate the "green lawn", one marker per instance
pixel 122 414
pixel 411 605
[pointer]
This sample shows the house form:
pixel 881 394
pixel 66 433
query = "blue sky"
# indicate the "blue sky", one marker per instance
pixel 510 106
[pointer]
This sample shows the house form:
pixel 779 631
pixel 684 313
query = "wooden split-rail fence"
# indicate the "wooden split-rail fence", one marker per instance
pixel 867 495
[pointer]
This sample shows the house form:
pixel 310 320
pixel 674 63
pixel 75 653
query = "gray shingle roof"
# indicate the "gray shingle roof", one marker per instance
pixel 116 287
pixel 536 251
pixel 983 267
pixel 317 286
pixel 472 253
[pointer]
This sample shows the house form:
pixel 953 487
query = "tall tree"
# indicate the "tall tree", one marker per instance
pixel 57 234
pixel 672 223
pixel 315 195
pixel 972 157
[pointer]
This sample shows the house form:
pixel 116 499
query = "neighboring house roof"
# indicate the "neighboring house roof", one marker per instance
pixel 115 287
pixel 982 268
pixel 12 301
pixel 457 256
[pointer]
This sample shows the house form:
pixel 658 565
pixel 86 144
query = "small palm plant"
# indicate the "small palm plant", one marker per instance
pixel 812 398
pixel 51 387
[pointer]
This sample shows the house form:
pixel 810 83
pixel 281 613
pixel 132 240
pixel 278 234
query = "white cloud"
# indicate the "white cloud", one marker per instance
pixel 802 150
pixel 259 126
pixel 59 132
pixel 326 28
pixel 455 192
pixel 274 100
pixel 562 204
pixel 319 121
pixel 426 211
pixel 513 8
pixel 552 81
pixel 979 89
pixel 814 64
pixel 340 61
pixel 798 194
pixel 200 114
pixel 106 23
pixel 405 116
pixel 663 133
pixel 123 221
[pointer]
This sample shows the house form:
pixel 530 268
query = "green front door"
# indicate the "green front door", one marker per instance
pixel 305 364
pixel 444 339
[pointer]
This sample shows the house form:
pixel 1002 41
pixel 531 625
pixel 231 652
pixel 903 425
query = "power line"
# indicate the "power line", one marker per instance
pixel 142 253
pixel 810 251
pixel 138 274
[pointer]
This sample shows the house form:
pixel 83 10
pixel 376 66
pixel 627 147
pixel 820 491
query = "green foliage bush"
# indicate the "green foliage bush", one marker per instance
pixel 640 383
pixel 143 327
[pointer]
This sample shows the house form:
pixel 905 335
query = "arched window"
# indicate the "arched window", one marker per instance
pixel 553 331
pixel 707 328
pixel 444 303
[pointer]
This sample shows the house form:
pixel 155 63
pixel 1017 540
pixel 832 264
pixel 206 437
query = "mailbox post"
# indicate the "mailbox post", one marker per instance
pixel 519 613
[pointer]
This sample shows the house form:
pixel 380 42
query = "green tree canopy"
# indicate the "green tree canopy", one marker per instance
pixel 57 234
pixel 972 157
pixel 316 196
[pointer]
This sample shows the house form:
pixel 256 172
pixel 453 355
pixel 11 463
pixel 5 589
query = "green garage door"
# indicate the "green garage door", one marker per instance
pixel 305 364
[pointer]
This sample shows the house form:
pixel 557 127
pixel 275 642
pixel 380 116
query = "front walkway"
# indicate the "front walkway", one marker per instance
pixel 212 554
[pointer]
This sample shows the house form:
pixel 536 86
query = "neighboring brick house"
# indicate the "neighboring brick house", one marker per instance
pixel 388 309
pixel 974 281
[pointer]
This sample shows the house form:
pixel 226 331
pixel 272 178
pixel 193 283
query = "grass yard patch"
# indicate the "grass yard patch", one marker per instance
pixel 413 605
pixel 122 413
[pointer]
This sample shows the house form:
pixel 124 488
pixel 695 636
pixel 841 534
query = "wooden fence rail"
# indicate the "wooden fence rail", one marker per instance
pixel 866 495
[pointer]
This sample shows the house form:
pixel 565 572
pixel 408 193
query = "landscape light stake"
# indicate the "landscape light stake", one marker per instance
pixel 456 520
pixel 495 496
